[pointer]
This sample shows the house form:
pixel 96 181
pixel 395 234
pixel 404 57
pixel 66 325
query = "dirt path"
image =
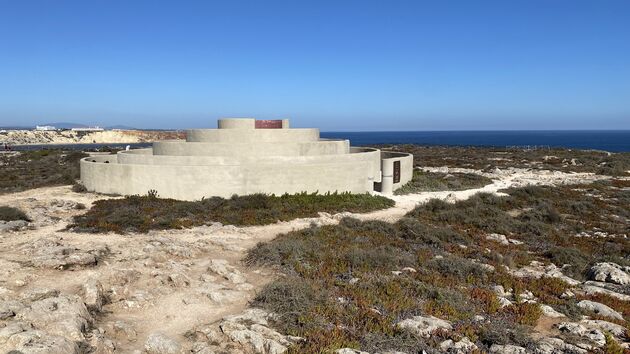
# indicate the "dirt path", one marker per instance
pixel 170 282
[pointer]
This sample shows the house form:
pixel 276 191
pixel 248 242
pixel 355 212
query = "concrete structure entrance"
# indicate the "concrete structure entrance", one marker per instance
pixel 246 156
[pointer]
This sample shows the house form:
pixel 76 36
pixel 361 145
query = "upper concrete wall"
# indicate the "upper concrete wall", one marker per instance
pixel 251 135
pixel 236 123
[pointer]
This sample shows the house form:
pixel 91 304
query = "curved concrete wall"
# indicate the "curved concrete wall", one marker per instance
pixel 181 148
pixel 236 123
pixel 195 182
pixel 388 158
pixel 252 135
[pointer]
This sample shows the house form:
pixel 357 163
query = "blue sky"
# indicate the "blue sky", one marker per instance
pixel 337 65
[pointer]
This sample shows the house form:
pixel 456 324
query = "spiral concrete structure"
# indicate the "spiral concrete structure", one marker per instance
pixel 246 156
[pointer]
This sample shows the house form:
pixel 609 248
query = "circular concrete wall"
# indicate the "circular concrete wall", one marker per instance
pixel 239 159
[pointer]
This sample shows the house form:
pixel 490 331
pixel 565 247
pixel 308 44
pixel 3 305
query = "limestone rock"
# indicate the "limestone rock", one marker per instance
pixel 460 347
pixel 349 351
pixel 507 349
pixel 9 308
pixel 556 346
pixel 93 295
pixel 498 238
pixel 423 325
pixel 599 309
pixel 39 294
pixel 126 329
pixel 249 330
pixel 610 272
pixel 64 315
pixel 224 269
pixel 613 328
pixel 14 225
pixel 550 312
pixel 158 343
pixel 39 342
pixel 594 335
pixel 54 254
pixel 594 287
pixel 537 270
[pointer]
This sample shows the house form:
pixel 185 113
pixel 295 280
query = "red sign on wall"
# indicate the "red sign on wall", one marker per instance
pixel 269 124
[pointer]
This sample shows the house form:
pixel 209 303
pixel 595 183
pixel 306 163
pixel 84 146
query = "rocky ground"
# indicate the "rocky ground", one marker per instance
pixel 179 291
pixel 32 137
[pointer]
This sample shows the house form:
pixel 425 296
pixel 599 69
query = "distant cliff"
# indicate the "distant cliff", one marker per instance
pixel 30 137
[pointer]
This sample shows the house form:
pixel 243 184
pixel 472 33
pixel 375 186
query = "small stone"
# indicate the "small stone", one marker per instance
pixel 498 238
pixel 550 312
pixel 126 329
pixel 423 325
pixel 224 269
pixel 158 343
pixel 93 295
pixel 349 351
pixel 39 294
pixel 461 347
pixel 577 329
pixel 507 349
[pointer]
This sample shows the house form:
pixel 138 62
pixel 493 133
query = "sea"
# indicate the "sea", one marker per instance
pixel 606 140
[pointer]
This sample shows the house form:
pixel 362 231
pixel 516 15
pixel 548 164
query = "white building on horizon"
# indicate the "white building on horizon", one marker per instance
pixel 45 128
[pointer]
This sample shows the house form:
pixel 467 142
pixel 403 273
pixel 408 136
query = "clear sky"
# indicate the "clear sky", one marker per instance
pixel 337 65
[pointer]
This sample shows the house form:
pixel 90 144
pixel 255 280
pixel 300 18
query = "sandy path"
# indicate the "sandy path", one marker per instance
pixel 164 281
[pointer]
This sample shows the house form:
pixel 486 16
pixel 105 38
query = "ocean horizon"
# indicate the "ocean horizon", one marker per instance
pixel 606 140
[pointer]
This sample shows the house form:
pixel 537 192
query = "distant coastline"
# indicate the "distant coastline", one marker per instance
pixel 604 140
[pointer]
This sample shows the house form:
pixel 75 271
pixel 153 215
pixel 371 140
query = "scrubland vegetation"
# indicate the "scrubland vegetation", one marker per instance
pixel 600 162
pixel 348 285
pixel 33 169
pixel 12 214
pixel 433 181
pixel 144 213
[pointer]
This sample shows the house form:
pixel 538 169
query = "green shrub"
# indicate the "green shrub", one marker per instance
pixel 8 213
pixel 144 213
pixel 432 181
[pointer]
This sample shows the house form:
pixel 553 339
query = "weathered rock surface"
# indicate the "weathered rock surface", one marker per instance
pixel 610 272
pixel 423 325
pixel 56 255
pixel 537 270
pixel 462 346
pixel 556 346
pixel 224 269
pixel 507 349
pixel 158 343
pixel 577 329
pixel 600 309
pixel 250 330
pixel 93 295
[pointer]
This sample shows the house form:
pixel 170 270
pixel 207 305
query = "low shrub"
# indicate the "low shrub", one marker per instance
pixel 40 168
pixel 433 181
pixel 8 213
pixel 144 213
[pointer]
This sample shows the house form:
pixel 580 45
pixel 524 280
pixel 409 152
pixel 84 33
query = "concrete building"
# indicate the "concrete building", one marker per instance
pixel 246 156
pixel 45 128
